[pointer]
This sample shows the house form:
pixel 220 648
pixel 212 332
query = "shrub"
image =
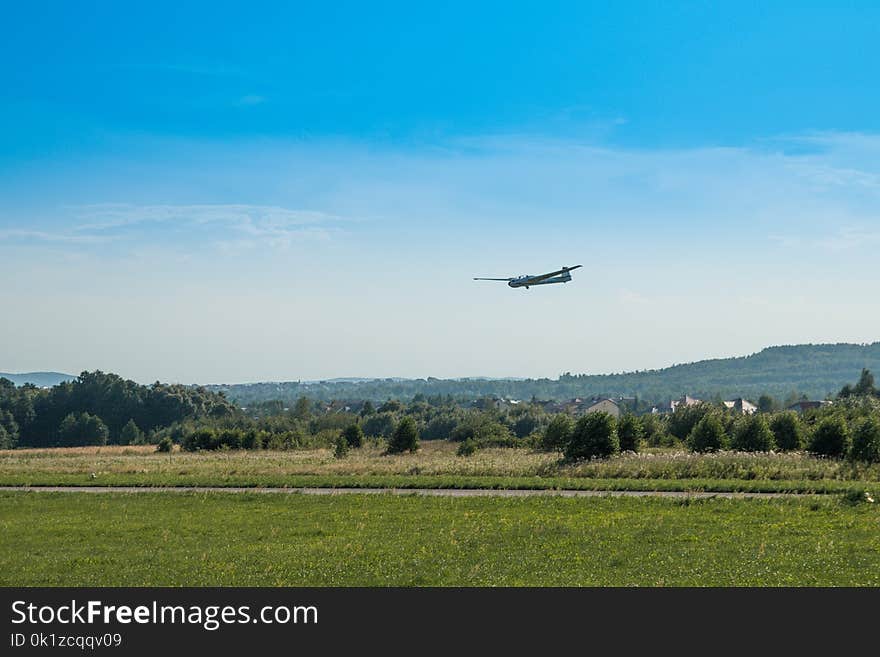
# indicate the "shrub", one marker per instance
pixel 342 446
pixel 200 439
pixel 229 439
pixel 440 427
pixel 685 418
pixel 654 428
pixel 165 445
pixel 630 432
pixel 526 424
pixel 354 435
pixel 467 447
pixel 278 441
pixel 558 433
pixel 594 435
pixel 788 432
pixel 380 425
pixel 252 439
pixel 751 434
pixel 866 441
pixel 405 437
pixel 130 434
pixel 831 437
pixel 484 429
pixel 707 435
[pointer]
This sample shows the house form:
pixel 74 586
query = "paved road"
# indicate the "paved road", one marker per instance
pixel 432 492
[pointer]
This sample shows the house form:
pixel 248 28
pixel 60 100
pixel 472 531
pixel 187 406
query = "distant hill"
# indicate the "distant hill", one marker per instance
pixel 39 379
pixel 783 372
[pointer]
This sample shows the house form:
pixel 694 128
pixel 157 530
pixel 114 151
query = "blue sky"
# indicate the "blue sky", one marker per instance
pixel 228 192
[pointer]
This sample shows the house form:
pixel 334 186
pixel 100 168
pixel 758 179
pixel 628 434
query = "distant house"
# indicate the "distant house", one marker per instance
pixel 599 405
pixel 805 405
pixel 676 403
pixel 740 405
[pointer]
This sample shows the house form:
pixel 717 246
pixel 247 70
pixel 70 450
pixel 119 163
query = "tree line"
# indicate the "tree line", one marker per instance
pixel 97 408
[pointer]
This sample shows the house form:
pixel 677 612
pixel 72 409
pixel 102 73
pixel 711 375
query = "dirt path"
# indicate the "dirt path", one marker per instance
pixel 434 492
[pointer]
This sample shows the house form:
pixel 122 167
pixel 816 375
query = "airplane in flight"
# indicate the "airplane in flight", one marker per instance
pixel 526 281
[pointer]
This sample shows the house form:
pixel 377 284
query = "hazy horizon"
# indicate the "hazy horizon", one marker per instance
pixel 290 195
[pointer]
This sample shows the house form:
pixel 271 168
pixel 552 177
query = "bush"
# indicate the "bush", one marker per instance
pixel 380 425
pixel 866 441
pixel 558 433
pixel 278 441
pixel 405 437
pixel 630 432
pixel 831 437
pixel 440 427
pixel 353 435
pixel 482 428
pixel 751 434
pixel 654 428
pixel 467 447
pixel 229 439
pixel 200 439
pixel 165 445
pixel 707 435
pixel 342 447
pixel 253 439
pixel 594 435
pixel 130 434
pixel 525 425
pixel 682 422
pixel 787 431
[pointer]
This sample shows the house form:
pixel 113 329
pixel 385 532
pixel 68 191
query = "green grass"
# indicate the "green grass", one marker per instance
pixel 155 539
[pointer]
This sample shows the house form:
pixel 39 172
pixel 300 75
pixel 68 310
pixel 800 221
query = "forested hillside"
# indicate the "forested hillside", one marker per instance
pixel 783 372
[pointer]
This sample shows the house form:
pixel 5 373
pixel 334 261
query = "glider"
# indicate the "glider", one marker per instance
pixel 561 276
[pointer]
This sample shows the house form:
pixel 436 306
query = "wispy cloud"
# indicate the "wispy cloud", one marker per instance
pixel 105 216
pixel 225 226
pixel 16 234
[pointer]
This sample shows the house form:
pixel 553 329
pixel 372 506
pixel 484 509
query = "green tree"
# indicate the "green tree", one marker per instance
pixel 685 418
pixel 831 437
pixel 866 440
pixel 865 386
pixel 391 406
pixel 594 435
pixel 82 429
pixel 481 427
pixel 354 435
pixel 130 434
pixel 5 439
pixel 8 430
pixel 767 404
pixel 707 435
pixel 379 425
pixel 341 447
pixel 751 434
pixel 302 410
pixel 367 409
pixel 630 432
pixel 558 433
pixel 788 432
pixel 405 437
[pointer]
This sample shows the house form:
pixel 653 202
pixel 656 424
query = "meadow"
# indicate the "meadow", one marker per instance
pixel 173 539
pixel 436 465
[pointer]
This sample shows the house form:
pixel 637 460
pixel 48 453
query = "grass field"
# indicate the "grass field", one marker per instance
pixel 435 465
pixel 244 539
